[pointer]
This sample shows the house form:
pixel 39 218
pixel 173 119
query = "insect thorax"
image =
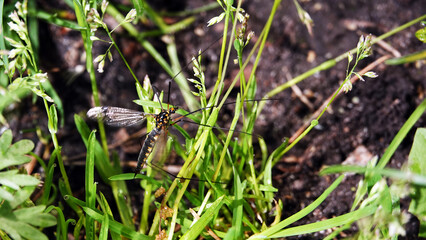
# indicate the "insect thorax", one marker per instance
pixel 163 118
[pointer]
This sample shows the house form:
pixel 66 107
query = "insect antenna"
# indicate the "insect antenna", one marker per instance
pixel 157 96
pixel 221 128
pixel 168 93
pixel 181 118
pixel 228 103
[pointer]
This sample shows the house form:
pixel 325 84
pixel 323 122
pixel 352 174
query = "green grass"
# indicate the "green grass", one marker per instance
pixel 230 183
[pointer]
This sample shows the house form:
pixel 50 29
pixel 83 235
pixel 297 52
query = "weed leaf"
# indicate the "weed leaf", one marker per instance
pixel 417 165
pixel 15 154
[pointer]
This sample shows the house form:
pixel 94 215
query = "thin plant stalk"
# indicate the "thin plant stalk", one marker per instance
pixel 330 63
pixel 56 145
pixel 324 66
pixel 180 80
pixel 119 188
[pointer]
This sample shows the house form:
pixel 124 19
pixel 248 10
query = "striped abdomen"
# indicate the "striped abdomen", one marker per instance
pixel 147 147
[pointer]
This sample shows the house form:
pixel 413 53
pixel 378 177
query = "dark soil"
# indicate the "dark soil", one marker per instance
pixel 369 116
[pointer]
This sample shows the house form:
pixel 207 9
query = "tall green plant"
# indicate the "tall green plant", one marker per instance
pixel 23 72
pixel 17 211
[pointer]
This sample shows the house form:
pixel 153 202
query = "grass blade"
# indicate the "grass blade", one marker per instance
pixel 276 228
pixel 201 223
pixel 90 185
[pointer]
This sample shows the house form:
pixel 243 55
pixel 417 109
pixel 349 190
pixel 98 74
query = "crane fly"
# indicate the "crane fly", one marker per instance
pixel 123 117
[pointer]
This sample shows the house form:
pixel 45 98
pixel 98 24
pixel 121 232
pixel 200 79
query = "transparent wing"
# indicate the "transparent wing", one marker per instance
pixel 160 155
pixel 117 117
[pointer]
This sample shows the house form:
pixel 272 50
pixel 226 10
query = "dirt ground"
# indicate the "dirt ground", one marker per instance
pixel 367 118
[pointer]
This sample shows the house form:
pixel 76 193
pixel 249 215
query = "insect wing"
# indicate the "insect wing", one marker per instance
pixel 117 117
pixel 160 154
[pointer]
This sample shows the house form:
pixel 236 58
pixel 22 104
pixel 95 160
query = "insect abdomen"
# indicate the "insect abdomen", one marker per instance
pixel 147 147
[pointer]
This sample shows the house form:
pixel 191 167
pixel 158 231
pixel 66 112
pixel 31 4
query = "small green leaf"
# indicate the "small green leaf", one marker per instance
pixel 237 45
pixel 11 160
pixel 267 188
pixel 27 231
pixel 22 195
pixel 6 195
pixel 14 155
pixel 5 140
pixel 421 35
pixel 53 119
pixel 417 165
pixel 42 94
pixel 22 147
pixel 55 19
pixel 22 179
pixel 28 215
pixel 10 230
pixel 6 182
pixel 29 212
